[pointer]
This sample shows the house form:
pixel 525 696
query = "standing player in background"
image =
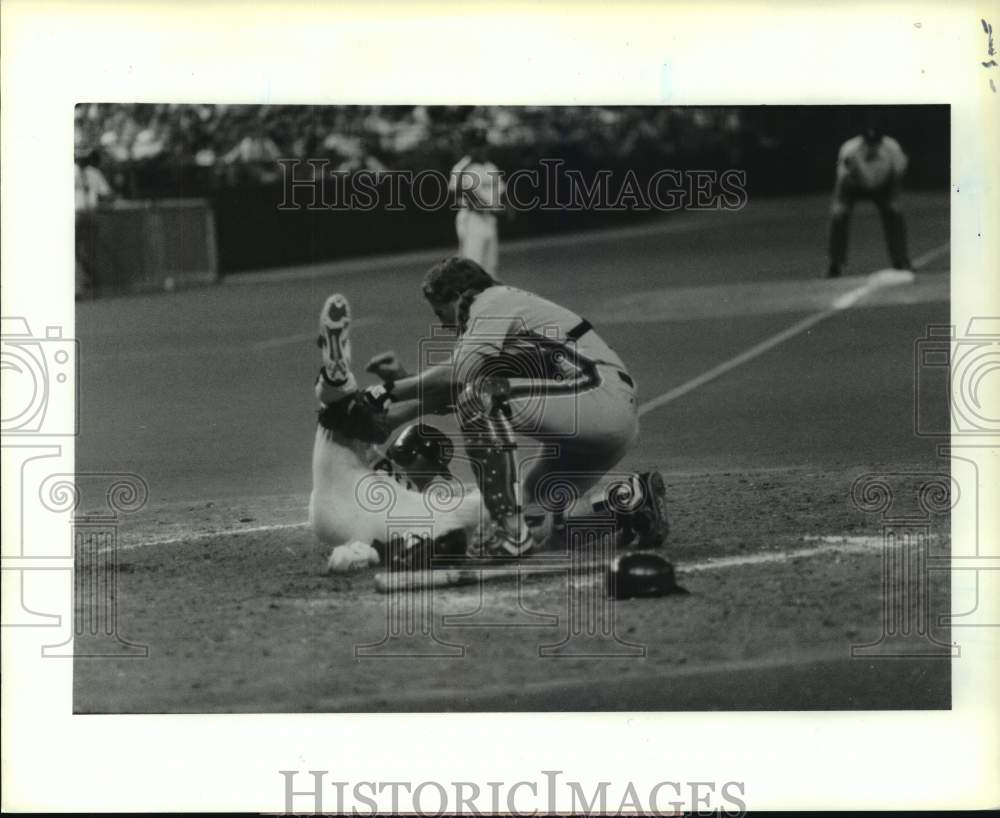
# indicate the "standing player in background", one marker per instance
pixel 869 166
pixel 478 189
pixel 92 190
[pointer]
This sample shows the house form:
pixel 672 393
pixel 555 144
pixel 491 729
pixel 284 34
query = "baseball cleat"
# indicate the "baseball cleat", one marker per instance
pixel 547 531
pixel 499 542
pixel 639 507
pixel 414 551
pixel 336 377
pixel 650 518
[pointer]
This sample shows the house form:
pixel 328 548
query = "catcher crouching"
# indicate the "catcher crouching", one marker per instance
pixel 522 368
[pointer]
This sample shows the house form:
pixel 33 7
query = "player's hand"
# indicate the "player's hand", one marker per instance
pixel 386 366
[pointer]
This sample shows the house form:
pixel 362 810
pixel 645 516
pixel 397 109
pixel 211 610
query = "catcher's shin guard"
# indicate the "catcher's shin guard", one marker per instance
pixel 639 506
pixel 489 442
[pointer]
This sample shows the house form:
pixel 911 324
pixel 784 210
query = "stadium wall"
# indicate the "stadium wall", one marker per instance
pixel 783 150
pixel 146 246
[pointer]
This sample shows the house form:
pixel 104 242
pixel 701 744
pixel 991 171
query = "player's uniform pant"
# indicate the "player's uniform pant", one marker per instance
pixel 477 238
pixel 584 426
pixel 845 196
pixel 592 429
pixel 86 252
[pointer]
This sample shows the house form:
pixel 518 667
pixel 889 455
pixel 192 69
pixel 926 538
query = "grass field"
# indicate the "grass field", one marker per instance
pixel 766 390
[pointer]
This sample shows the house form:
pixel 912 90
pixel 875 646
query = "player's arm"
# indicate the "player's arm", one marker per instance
pixel 437 387
pixel 456 173
pixel 432 389
pixel 404 388
pixel 899 163
pixel 398 402
pixel 843 176
pixel 488 194
pixel 406 409
pixel 854 167
pixel 400 413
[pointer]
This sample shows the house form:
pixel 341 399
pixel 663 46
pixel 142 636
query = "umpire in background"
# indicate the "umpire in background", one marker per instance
pixel 869 166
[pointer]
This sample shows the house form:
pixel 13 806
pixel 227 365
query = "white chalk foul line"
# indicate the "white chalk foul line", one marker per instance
pixel 732 363
pixel 205 535
pixel 832 545
pixel 934 253
pixel 453 577
pixel 877 280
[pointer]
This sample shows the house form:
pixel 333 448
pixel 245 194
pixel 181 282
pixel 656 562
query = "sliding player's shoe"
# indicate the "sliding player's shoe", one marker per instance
pixel 412 551
pixel 335 378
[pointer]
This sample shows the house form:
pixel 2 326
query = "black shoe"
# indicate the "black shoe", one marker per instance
pixel 414 552
pixel 833 271
pixel 639 507
pixel 649 520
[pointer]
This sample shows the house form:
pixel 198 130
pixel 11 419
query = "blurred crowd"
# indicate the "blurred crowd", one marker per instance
pixel 137 144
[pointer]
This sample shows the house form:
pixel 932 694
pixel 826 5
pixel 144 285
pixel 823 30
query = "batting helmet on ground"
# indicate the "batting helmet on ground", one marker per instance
pixel 639 574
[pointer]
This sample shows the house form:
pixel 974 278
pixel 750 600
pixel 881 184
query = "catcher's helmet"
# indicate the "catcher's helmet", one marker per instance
pixel 638 574
pixel 421 440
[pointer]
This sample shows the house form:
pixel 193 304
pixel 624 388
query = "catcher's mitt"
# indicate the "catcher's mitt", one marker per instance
pixel 357 417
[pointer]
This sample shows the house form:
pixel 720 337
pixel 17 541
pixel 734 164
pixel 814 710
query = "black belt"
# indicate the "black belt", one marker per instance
pixel 582 329
pixel 579 331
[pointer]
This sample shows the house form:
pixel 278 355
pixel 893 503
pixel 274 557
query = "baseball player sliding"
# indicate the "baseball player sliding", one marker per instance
pixel 522 366
pixel 869 166
pixel 354 482
pixel 476 184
